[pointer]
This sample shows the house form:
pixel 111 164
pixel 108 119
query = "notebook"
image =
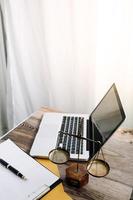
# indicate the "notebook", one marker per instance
pixel 39 180
pixel 98 126
pixel 58 192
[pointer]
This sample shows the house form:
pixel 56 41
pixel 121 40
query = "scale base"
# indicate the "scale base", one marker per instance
pixel 77 177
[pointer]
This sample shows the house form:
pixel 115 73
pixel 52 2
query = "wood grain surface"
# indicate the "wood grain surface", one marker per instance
pixel 118 151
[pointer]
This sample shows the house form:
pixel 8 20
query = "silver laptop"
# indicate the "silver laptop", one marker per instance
pixel 99 126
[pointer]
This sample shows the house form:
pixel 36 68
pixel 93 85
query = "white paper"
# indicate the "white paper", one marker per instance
pixel 39 178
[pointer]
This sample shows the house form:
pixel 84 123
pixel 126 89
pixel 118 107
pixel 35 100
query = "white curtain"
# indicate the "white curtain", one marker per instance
pixel 66 53
pixel 3 79
pixel 114 46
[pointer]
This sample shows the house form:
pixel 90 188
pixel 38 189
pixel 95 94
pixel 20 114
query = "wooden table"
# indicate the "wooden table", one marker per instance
pixel 118 151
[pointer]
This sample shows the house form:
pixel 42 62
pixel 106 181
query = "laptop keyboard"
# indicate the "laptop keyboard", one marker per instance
pixel 71 125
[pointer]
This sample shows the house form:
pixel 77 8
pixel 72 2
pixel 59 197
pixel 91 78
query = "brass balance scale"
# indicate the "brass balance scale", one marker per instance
pixel 96 167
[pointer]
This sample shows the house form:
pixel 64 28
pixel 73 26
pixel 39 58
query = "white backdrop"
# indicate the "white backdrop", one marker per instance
pixel 66 53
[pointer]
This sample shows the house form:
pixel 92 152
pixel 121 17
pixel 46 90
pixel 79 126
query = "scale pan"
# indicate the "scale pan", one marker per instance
pixel 59 156
pixel 98 168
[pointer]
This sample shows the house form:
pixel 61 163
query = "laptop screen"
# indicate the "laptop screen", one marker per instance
pixel 107 116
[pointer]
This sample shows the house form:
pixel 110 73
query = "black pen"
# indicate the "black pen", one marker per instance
pixel 12 169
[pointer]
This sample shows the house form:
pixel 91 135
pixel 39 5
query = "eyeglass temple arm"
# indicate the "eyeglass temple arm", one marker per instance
pixel 80 137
